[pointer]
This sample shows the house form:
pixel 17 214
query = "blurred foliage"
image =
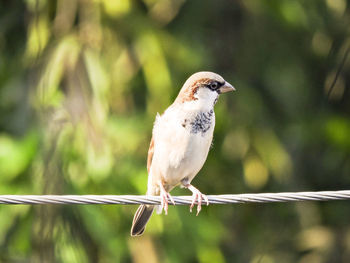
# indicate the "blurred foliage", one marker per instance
pixel 81 82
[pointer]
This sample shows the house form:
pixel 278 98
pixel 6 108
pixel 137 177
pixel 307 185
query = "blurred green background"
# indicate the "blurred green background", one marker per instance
pixel 81 82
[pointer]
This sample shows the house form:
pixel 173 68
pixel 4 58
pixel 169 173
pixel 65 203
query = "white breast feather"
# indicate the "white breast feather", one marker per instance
pixel 178 153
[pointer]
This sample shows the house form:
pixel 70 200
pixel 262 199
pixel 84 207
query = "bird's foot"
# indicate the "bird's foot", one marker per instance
pixel 164 195
pixel 197 196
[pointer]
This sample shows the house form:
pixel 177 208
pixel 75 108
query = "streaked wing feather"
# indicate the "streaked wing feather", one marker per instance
pixel 150 155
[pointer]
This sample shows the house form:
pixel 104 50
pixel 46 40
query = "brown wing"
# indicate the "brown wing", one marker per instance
pixel 150 155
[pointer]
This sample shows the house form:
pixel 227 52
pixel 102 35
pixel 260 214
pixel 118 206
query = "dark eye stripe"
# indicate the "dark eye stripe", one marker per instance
pixel 218 85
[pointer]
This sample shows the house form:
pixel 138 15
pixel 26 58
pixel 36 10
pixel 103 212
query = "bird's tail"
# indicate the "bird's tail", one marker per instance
pixel 141 218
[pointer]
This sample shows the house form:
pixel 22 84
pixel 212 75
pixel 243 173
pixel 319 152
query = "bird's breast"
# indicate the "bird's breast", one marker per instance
pixel 182 142
pixel 202 122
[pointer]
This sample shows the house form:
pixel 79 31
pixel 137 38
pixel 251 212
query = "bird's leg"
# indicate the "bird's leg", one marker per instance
pixel 164 195
pixel 196 196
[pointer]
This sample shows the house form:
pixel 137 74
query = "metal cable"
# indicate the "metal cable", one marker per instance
pixel 179 200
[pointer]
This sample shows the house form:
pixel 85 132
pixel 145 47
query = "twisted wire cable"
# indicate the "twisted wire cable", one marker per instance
pixel 179 200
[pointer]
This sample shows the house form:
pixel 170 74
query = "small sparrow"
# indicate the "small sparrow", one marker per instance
pixel 181 139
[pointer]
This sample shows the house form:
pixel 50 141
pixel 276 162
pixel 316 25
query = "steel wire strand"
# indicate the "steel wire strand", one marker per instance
pixel 179 200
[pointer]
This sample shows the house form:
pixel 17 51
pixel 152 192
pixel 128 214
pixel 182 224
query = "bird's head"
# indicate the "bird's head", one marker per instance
pixel 204 87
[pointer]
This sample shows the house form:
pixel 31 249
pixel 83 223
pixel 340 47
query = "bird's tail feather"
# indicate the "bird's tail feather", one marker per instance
pixel 141 218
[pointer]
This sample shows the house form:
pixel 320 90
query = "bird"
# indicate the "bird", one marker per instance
pixel 181 139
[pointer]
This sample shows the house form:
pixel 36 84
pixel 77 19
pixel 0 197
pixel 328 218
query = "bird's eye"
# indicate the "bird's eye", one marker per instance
pixel 213 85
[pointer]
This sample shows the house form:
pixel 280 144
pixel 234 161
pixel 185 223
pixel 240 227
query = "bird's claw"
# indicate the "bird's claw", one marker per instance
pixel 164 195
pixel 197 196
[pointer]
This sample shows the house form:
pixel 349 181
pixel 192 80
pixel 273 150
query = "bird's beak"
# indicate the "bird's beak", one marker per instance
pixel 226 88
